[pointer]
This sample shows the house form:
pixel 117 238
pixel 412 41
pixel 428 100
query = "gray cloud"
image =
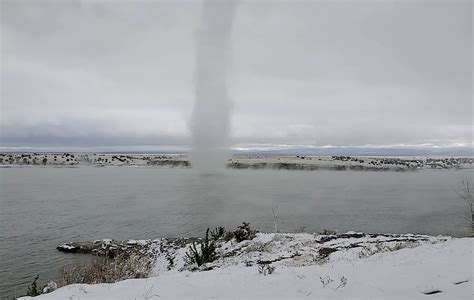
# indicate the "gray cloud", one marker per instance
pixel 304 72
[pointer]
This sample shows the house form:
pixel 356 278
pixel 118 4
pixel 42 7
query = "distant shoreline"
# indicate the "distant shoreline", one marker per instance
pixel 241 161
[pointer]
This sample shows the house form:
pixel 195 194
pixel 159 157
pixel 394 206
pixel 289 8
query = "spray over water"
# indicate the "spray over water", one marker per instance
pixel 211 114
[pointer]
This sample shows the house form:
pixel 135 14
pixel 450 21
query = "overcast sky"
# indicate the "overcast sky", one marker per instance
pixel 104 73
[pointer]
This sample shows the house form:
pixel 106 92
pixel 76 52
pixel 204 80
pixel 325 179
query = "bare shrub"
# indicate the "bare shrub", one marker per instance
pixel 342 283
pixel 320 260
pixel 325 280
pixel 258 247
pixel 328 232
pixel 229 235
pixel 266 269
pixel 381 248
pixel 147 293
pixel 466 192
pixel 325 251
pixel 242 233
pixel 275 219
pixel 107 270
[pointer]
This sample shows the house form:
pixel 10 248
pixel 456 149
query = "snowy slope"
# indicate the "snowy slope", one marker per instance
pixel 366 267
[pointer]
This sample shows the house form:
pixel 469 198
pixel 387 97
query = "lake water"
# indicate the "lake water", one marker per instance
pixel 43 207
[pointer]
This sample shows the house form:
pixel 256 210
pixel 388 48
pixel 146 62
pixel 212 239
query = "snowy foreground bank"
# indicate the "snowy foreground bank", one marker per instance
pixel 305 266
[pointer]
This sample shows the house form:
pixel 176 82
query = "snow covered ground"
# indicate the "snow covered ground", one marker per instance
pixel 306 266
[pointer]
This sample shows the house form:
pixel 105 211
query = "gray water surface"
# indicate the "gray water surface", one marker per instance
pixel 43 207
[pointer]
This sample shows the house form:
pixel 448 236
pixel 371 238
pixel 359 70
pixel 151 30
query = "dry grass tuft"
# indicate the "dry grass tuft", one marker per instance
pixel 107 270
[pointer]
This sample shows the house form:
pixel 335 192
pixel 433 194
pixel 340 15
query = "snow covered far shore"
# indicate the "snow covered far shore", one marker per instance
pixel 240 161
pixel 306 266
